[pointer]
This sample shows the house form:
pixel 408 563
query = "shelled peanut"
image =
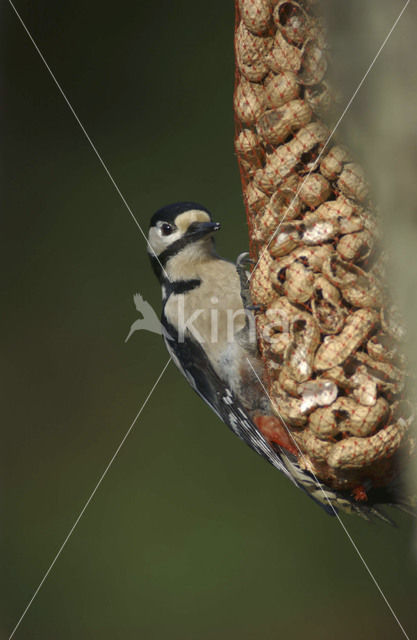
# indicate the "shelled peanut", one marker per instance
pixel 331 346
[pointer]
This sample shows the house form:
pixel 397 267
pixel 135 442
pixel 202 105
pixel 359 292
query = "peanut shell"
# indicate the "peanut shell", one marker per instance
pixel 281 88
pixel 352 182
pixel 275 125
pixel 336 349
pixel 283 55
pixel 357 453
pixel 250 54
pixel 332 163
pixel 292 20
pixel 248 101
pixel 256 14
pixel 314 190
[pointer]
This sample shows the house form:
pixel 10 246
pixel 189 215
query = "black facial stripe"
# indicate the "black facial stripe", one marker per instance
pixel 180 286
pixel 175 286
pixel 178 245
pixel 173 249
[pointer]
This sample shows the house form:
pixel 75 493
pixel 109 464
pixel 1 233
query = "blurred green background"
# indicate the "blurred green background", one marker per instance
pixel 190 535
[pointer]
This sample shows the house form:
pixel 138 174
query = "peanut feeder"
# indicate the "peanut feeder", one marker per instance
pixel 330 342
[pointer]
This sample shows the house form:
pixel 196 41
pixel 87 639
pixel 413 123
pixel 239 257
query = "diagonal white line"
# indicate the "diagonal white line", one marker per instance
pixel 346 109
pixel 166 365
pixel 83 129
pixel 342 524
pixel 80 515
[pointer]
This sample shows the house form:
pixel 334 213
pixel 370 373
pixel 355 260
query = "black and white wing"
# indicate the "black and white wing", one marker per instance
pixel 194 364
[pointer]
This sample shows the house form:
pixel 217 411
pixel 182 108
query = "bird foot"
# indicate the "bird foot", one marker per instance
pixel 242 262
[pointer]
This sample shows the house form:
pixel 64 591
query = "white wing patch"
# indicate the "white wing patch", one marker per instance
pixel 228 397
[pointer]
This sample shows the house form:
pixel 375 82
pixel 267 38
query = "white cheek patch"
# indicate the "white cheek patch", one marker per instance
pixel 159 242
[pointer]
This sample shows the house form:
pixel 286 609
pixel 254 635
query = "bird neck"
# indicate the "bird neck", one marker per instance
pixel 176 265
pixel 186 264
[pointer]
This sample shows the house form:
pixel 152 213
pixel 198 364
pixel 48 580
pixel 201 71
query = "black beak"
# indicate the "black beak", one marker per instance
pixel 200 229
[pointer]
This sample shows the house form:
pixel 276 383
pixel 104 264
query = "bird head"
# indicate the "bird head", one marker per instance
pixel 182 229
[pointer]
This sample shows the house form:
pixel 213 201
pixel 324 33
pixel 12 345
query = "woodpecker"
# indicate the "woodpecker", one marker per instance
pixel 208 327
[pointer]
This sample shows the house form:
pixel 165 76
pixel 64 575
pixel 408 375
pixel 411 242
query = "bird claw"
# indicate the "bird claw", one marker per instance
pixel 255 307
pixel 242 262
pixel 243 259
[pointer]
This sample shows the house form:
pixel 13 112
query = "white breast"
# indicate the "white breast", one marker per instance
pixel 212 313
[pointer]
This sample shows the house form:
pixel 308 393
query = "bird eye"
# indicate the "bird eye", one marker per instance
pixel 166 229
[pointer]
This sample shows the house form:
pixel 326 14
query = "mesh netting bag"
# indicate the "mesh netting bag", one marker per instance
pixel 328 334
